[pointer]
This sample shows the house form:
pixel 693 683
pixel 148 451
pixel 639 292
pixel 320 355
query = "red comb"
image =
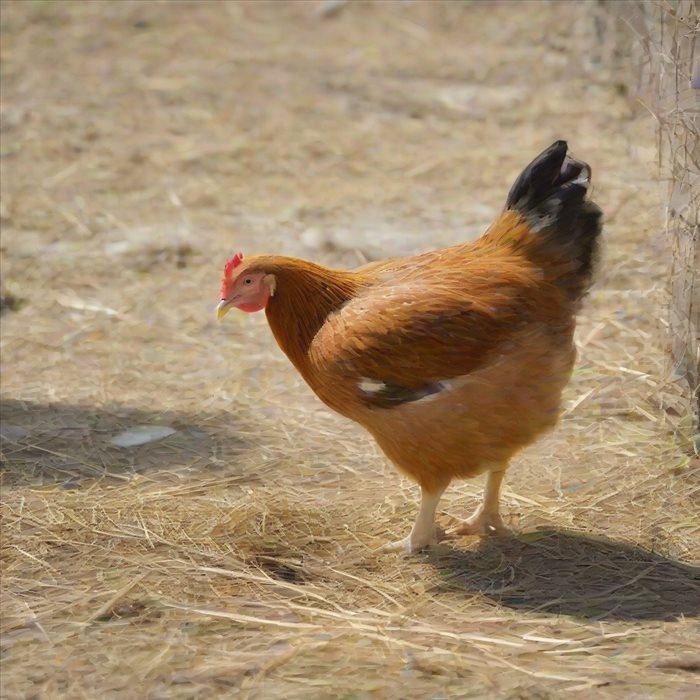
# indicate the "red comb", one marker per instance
pixel 230 266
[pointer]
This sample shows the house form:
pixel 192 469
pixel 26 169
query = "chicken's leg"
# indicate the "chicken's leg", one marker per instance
pixel 486 520
pixel 424 531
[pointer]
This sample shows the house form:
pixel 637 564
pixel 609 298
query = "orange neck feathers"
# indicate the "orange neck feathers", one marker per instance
pixel 305 295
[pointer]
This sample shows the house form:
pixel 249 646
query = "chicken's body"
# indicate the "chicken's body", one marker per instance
pixel 454 359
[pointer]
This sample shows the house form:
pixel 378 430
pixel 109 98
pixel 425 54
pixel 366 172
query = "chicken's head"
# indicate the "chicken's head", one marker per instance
pixel 244 287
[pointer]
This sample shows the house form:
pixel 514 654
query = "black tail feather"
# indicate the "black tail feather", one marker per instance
pixel 551 194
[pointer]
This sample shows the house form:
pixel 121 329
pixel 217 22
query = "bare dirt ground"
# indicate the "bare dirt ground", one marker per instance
pixel 142 144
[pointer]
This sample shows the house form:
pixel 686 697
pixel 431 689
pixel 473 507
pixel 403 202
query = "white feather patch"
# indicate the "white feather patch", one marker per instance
pixel 371 386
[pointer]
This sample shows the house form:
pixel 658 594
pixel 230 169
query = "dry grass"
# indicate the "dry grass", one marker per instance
pixel 142 143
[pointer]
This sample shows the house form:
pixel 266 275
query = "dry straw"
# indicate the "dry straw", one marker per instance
pixel 238 556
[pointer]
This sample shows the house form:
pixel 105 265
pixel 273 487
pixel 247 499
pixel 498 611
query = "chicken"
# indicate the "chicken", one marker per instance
pixel 454 359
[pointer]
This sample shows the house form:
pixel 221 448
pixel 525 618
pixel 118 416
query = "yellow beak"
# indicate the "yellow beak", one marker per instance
pixel 222 308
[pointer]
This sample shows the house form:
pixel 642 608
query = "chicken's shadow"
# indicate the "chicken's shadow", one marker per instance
pixel 569 573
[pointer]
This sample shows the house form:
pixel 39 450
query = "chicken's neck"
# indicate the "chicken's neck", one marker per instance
pixel 304 297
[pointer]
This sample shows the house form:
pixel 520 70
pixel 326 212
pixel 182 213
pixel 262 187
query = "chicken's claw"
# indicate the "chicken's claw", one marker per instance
pixel 482 522
pixel 415 542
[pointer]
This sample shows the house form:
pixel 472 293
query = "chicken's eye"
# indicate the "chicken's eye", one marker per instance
pixel 247 280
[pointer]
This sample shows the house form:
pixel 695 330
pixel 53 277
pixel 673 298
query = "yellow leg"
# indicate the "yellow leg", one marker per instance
pixel 486 520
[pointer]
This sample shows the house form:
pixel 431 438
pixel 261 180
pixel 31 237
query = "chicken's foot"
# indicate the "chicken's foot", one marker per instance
pixel 424 532
pixel 486 520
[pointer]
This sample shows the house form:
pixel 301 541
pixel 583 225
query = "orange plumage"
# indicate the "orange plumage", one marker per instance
pixel 454 359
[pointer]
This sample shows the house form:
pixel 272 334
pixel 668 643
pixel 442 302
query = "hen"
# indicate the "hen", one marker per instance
pixel 454 359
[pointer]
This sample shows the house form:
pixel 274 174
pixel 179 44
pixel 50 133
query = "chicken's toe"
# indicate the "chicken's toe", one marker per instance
pixel 482 523
pixel 415 542
pixel 408 545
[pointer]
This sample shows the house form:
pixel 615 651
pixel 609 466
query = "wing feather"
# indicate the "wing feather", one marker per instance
pixel 408 335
